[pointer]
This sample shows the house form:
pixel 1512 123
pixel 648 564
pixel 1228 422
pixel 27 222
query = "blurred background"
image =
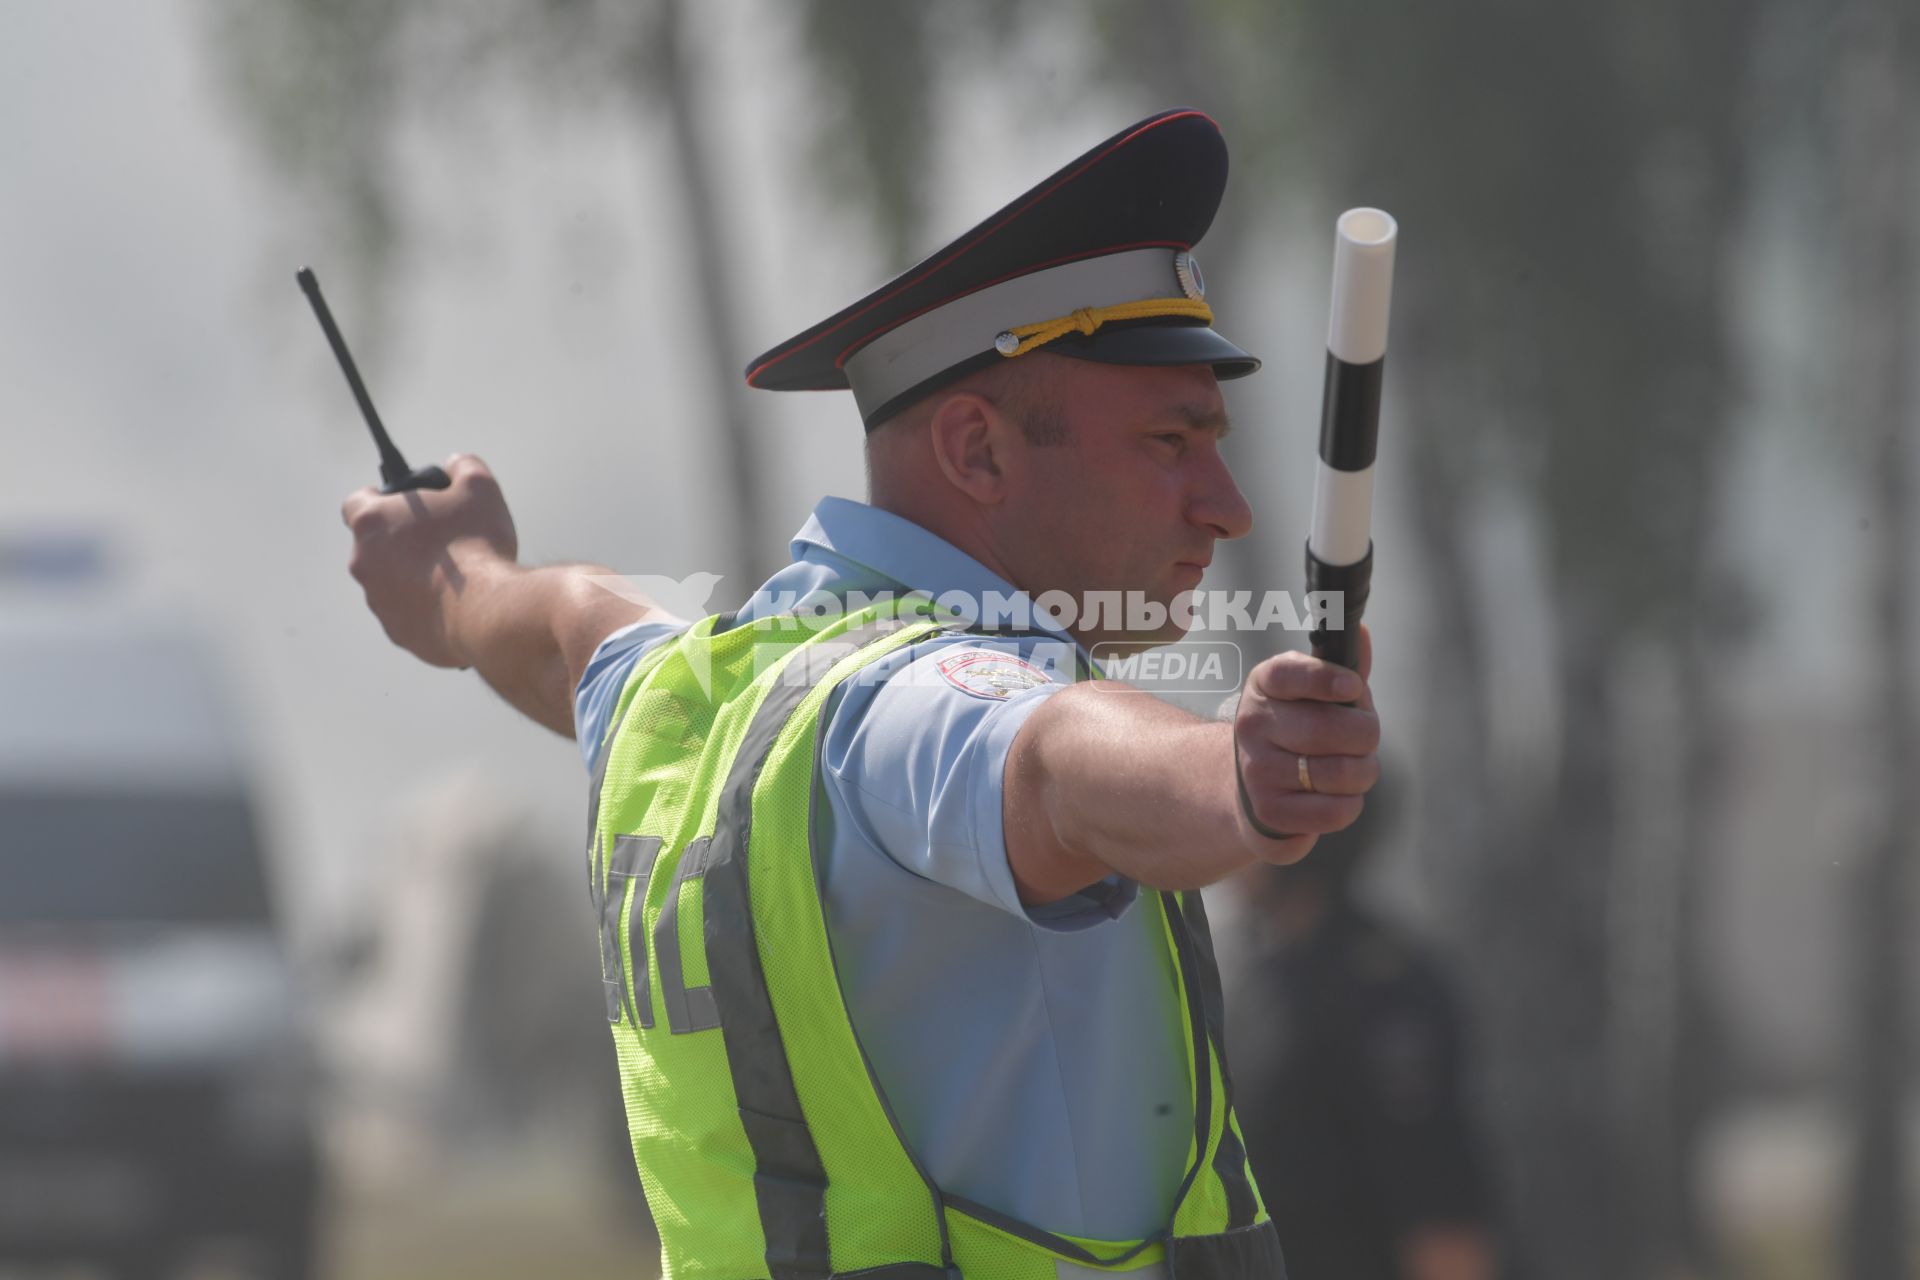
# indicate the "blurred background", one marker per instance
pixel 296 969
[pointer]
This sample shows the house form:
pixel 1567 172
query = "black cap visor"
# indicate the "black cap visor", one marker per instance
pixel 1151 343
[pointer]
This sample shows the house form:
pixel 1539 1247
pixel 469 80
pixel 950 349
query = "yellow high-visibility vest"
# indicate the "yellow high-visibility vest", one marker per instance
pixel 763 1140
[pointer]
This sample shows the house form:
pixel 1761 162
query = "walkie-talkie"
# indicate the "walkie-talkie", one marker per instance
pixel 398 476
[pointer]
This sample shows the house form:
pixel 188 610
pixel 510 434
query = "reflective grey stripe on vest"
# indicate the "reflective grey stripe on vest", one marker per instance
pixel 1249 1253
pixel 1230 1158
pixel 688 1008
pixel 632 860
pixel 789 1181
pixel 612 981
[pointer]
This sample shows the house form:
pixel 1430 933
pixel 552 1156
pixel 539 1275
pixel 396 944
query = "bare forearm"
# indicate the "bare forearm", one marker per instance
pixel 530 632
pixel 1103 778
pixel 1129 784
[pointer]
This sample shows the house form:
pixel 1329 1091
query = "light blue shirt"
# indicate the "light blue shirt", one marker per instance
pixel 1033 1057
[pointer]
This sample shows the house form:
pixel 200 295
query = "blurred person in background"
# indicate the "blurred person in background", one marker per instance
pixel 967 1015
pixel 1352 1074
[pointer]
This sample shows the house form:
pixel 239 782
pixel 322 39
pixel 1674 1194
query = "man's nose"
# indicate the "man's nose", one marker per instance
pixel 1219 504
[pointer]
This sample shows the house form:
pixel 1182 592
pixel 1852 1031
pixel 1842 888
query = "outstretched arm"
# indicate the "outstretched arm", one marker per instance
pixel 1103 778
pixel 441 573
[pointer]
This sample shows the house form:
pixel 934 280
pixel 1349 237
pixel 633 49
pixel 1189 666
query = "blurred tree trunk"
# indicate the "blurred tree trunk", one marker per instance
pixel 1571 1175
pixel 1694 68
pixel 1461 802
pixel 1696 1078
pixel 1878 195
pixel 664 65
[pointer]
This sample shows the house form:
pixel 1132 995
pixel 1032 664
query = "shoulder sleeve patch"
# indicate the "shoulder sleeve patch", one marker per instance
pixel 985 673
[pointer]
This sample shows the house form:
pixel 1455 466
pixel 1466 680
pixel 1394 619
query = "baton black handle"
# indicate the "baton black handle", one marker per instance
pixel 397 476
pixel 1353 582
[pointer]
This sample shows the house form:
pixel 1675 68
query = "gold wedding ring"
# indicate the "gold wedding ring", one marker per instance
pixel 1305 774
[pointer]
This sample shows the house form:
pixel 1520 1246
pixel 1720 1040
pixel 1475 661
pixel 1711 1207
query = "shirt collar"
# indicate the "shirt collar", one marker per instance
pixel 897 549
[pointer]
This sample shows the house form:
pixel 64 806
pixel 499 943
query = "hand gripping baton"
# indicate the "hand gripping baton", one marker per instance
pixel 1340 545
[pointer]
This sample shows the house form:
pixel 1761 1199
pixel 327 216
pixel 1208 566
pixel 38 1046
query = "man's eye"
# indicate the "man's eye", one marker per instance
pixel 1174 438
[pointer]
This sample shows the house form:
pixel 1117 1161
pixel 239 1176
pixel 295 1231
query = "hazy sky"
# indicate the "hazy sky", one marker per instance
pixel 162 380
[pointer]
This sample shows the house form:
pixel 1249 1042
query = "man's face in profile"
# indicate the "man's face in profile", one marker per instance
pixel 1135 496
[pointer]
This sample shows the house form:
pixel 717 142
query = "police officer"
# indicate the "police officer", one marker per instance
pixel 904 957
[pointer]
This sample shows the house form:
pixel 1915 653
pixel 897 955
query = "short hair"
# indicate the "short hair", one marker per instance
pixel 1019 388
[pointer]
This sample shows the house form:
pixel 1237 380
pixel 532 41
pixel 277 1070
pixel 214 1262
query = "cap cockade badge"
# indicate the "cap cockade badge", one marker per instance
pixel 1186 269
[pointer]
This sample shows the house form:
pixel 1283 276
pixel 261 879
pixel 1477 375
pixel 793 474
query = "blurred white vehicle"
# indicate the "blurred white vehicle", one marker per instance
pixel 154 1076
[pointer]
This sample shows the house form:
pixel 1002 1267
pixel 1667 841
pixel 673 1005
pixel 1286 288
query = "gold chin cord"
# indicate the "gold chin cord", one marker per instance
pixel 1017 342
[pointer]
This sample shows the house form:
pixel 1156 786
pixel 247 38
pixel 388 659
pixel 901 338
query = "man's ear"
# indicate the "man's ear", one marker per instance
pixel 974 443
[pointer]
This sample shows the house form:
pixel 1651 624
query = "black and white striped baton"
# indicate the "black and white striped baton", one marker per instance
pixel 1340 545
